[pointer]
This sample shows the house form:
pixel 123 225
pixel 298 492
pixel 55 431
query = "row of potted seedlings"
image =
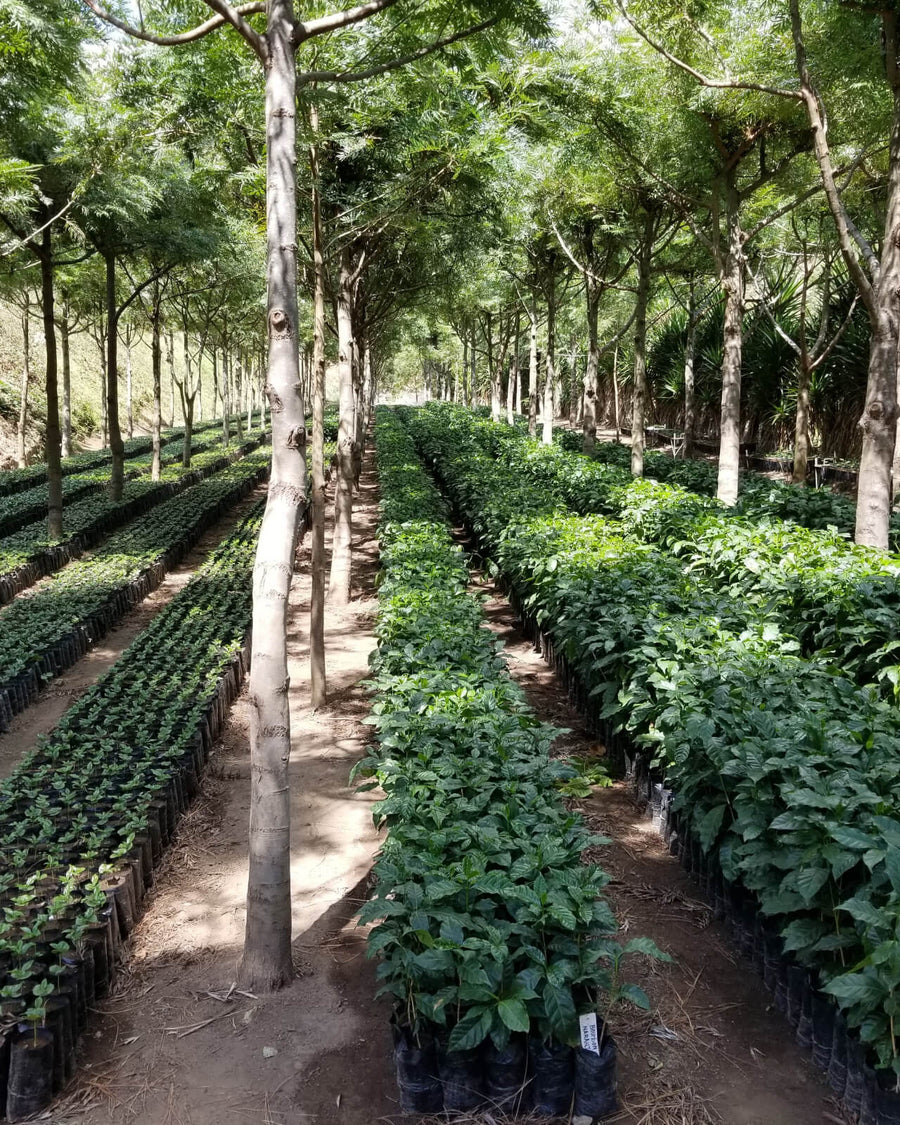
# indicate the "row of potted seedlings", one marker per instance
pixel 782 764
pixel 834 598
pixel 494 938
pixel 45 632
pixel 18 480
pixel 28 555
pixel 758 497
pixel 85 819
pixel 24 507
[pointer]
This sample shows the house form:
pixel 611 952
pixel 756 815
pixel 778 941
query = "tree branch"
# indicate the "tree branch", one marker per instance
pixel 224 14
pixel 304 31
pixel 712 83
pixel 382 68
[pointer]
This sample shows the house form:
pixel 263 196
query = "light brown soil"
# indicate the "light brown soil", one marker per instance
pixel 318 1051
pixel 41 717
pixel 711 1049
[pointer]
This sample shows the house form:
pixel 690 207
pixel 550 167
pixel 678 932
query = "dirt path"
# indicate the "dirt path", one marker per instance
pixel 41 717
pixel 319 1051
pixel 711 1049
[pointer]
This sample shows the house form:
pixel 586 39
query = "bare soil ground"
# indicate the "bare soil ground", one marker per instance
pixel 61 693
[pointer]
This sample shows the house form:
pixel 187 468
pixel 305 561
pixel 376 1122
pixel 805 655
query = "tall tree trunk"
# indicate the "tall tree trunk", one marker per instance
pixel 690 351
pixel 368 391
pixel 25 382
pixel 801 423
pixel 639 391
pixel 533 373
pixel 615 382
pixel 550 368
pixel 592 370
pixel 170 357
pixel 250 398
pixel 733 284
pixel 576 388
pixel 116 445
pixel 266 962
pixel 104 413
pixel 53 436
pixel 473 372
pixel 496 376
pixel 879 420
pixel 66 381
pixel 341 549
pixel 238 391
pixel 879 289
pixel 465 369
pixel 188 398
pixel 156 359
pixel 186 394
pixel 341 557
pixel 129 390
pixel 317 499
pixel 511 382
pixel 226 396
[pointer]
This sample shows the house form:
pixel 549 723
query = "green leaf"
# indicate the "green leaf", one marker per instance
pixel 853 838
pixel 560 1009
pixel 636 996
pixel 647 946
pixel 471 1029
pixel 856 988
pixel 810 880
pixel 863 911
pixel 709 825
pixel 514 1014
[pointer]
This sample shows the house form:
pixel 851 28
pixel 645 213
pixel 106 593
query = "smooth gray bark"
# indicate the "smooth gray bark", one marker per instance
pixel 66 381
pixel 317 499
pixel 690 350
pixel 639 390
pixel 116 445
pixel 24 383
pixel 592 370
pixel 53 442
pixel 266 961
pixel 733 284
pixel 341 544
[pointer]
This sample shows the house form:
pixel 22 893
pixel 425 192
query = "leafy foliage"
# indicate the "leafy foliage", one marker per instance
pixel 490 923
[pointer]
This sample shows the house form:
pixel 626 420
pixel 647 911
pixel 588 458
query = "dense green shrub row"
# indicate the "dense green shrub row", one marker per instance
pixel 22 508
pixel 837 600
pixel 85 817
pixel 16 480
pixel 43 633
pixel 30 554
pixel 816 508
pixel 491 922
pixel 783 765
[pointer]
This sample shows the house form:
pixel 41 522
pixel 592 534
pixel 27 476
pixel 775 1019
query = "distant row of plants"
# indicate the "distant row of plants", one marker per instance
pixel 85 817
pixel 837 600
pixel 489 923
pixel 30 554
pixel 17 480
pixel 30 505
pixel 93 592
pixel 817 508
pixel 784 766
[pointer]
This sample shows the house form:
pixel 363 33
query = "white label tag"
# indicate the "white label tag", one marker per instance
pixel 589 1038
